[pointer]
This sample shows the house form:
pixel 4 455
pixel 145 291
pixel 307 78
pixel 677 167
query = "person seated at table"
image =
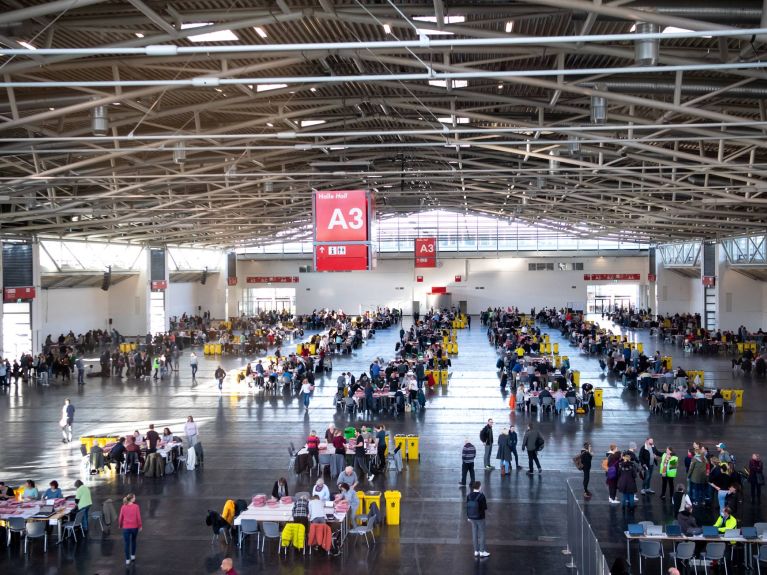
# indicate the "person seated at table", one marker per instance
pixel 53 491
pixel 30 491
pixel 544 393
pixel 117 453
pixel 280 488
pixel 167 436
pixel 6 492
pixel 699 394
pixel 726 521
pixel 330 433
pixel 717 394
pixel 321 490
pixel 317 510
pixel 138 438
pixel 687 522
pixel 348 476
pixel 97 458
pixel 350 495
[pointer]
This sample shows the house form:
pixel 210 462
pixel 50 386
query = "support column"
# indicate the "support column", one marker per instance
pixel 36 316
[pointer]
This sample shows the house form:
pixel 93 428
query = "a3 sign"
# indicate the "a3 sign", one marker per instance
pixel 342 230
pixel 426 252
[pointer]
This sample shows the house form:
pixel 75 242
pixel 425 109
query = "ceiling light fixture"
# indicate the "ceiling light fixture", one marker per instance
pixel 387 29
pixel 218 36
pixel 27 45
pixel 139 34
pixel 509 26
pixel 260 31
pixel 265 87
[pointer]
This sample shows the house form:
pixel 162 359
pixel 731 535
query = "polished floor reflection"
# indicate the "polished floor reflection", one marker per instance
pixel 246 438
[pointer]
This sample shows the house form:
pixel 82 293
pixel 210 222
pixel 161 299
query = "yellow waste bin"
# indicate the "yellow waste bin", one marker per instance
pixel 576 378
pixel 367 498
pixel 640 347
pixel 217 349
pixel 667 361
pixel 412 447
pixel 444 376
pixel 206 349
pixel 557 361
pixel 740 348
pixel 87 441
pixel 392 506
pixel 299 349
pixel 598 391
pixel 555 348
pixel 401 442
pixel 727 394
pixel 102 441
pixel 738 397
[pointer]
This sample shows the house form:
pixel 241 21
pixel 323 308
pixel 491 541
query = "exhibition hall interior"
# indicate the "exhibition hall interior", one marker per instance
pixel 391 286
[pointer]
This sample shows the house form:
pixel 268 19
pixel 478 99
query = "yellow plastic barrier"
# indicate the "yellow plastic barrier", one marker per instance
pixel 412 447
pixel 738 397
pixel 598 391
pixel 392 506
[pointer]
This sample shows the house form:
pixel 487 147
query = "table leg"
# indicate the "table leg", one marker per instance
pixel 628 550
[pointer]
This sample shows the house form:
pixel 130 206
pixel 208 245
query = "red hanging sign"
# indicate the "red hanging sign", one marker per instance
pixel 341 257
pixel 426 252
pixel 159 285
pixel 231 281
pixel 341 216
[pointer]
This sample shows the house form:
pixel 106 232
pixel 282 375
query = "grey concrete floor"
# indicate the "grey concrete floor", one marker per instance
pixel 246 437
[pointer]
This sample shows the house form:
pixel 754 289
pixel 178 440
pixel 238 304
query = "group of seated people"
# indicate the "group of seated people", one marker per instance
pixel 30 492
pixel 395 388
pixel 560 398
pixel 381 318
pixel 131 450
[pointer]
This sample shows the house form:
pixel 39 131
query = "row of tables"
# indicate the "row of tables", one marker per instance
pixel 28 509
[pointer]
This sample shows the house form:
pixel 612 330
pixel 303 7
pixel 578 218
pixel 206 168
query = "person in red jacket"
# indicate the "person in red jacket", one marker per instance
pixel 227 568
pixel 313 447
pixel 130 522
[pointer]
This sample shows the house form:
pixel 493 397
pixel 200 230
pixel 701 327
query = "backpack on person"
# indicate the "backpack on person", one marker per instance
pixel 578 462
pixel 539 443
pixel 483 435
pixel 472 508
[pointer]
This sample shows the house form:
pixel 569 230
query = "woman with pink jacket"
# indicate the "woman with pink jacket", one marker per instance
pixel 130 523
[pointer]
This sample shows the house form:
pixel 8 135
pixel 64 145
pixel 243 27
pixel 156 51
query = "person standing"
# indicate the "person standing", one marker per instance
pixel 532 442
pixel 193 365
pixel 476 506
pixel 696 475
pixel 220 375
pixel 360 456
pixel 647 458
pixel 486 436
pixel 67 419
pixel 130 522
pixel 190 430
pixel 468 453
pixel 513 446
pixel 313 447
pixel 668 465
pixel 306 393
pixel 504 453
pixel 756 477
pixel 152 439
pixel 586 457
pixel 83 500
pixel 627 483
pixel 80 365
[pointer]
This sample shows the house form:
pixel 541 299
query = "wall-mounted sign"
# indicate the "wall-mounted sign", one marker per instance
pixel 341 257
pixel 159 285
pixel 651 277
pixel 438 290
pixel 457 279
pixel 271 279
pixel 426 252
pixel 231 281
pixel 419 279
pixel 709 281
pixel 612 277
pixel 18 293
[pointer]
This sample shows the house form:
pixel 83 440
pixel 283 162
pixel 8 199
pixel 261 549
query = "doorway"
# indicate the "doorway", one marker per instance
pixel 17 329
pixel 256 300
pixel 605 298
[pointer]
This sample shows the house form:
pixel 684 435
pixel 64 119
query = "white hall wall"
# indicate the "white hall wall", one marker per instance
pixel 504 281
pixel 74 309
pixel 742 301
pixel 186 297
pixel 677 293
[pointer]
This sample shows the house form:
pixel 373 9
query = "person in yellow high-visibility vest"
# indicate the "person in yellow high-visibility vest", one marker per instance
pixel 726 521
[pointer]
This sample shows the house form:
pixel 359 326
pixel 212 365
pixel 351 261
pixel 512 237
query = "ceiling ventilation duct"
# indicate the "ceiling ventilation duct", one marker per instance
pixel 598 109
pixel 100 121
pixel 646 50
pixel 179 154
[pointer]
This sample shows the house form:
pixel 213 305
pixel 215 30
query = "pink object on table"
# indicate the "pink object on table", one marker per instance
pixel 287 500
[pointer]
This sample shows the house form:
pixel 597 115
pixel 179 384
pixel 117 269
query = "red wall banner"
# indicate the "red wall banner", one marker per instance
pixel 17 293
pixel 426 252
pixel 612 277
pixel 341 258
pixel 341 216
pixel 271 280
